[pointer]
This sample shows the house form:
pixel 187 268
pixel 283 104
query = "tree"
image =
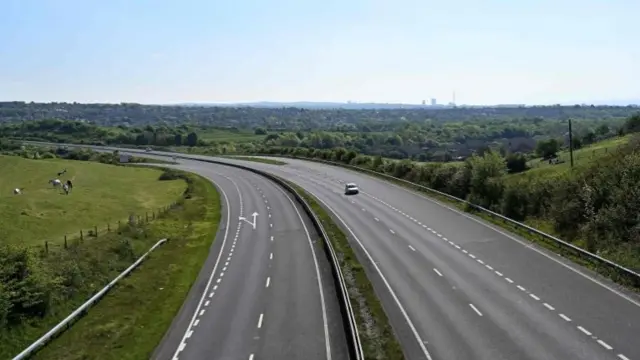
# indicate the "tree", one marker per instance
pixel 260 131
pixel 192 139
pixel 516 163
pixel 177 139
pixel 547 149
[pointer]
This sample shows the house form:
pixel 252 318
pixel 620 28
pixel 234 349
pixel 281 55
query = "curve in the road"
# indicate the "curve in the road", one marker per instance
pixel 264 293
pixel 470 289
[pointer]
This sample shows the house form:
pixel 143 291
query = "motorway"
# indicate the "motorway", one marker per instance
pixel 265 291
pixel 457 288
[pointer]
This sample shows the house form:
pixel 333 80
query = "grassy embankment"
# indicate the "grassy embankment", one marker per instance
pixel 257 159
pixel 377 336
pixel 102 194
pixel 130 321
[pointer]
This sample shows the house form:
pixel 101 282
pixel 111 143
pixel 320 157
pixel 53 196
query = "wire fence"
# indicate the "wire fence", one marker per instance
pixel 96 231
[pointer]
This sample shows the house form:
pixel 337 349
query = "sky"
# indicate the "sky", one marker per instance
pixel 401 51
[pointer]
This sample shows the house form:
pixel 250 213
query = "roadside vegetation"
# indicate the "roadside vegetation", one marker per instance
pixel 594 206
pixel 39 286
pixel 132 319
pixel 258 159
pixel 377 335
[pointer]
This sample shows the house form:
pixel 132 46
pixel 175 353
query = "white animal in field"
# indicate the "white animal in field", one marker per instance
pixel 55 182
pixel 65 187
pixel 17 191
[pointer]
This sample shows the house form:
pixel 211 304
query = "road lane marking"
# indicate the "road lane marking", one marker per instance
pixel 327 339
pixel 565 317
pixel 480 261
pixel 202 312
pixel 271 256
pixel 419 340
pixel 197 322
pixel 509 280
pixel 260 321
pixel 268 282
pixel 548 306
pixel 521 288
pixel 585 331
pixel 189 333
pixel 472 256
pixel 498 273
pixel 604 344
pixel 476 310
pixel 376 219
pixel 272 238
pixel 207 303
pixel 489 267
pixel 412 248
pixel 211 295
pixel 251 357
pixel 393 232
pixel 623 357
pixel 437 272
pixel 215 266
pixel 533 296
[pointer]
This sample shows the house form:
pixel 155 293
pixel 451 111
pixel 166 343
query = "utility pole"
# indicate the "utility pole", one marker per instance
pixel 570 143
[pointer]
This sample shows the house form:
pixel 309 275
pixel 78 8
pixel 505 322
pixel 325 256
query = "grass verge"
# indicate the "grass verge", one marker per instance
pixel 523 233
pixel 377 336
pixel 131 320
pixel 257 159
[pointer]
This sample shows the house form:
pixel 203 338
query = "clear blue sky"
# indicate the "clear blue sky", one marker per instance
pixel 162 51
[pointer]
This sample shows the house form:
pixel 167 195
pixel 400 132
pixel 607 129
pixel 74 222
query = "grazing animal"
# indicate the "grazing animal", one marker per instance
pixel 62 172
pixel 65 187
pixel 69 185
pixel 55 182
pixel 17 191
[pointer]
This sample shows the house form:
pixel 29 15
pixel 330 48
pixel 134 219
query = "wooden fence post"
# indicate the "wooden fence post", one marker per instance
pixel 46 247
pixel 108 227
pixel 81 236
pixel 65 241
pixel 95 229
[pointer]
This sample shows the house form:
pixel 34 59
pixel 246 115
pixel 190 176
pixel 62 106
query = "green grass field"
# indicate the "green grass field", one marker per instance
pixel 102 194
pixel 219 135
pixel 582 156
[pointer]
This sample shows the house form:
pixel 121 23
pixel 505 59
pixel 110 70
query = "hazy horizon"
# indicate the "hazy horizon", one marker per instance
pixel 164 52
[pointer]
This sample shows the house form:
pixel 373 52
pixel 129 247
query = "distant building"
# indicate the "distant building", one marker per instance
pixel 424 102
pixel 433 102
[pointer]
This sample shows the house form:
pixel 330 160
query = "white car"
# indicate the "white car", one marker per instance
pixel 351 188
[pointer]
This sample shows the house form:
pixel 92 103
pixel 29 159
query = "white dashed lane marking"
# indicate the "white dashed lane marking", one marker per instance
pixel 489 267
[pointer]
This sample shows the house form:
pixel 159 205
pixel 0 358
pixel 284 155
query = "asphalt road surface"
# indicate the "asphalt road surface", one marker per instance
pixel 457 288
pixel 264 292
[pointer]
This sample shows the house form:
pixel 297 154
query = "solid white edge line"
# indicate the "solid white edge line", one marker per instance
pixel 315 261
pixel 213 272
pixel 384 279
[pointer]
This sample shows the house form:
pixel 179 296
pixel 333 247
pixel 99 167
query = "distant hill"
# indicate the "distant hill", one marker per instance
pixel 372 106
